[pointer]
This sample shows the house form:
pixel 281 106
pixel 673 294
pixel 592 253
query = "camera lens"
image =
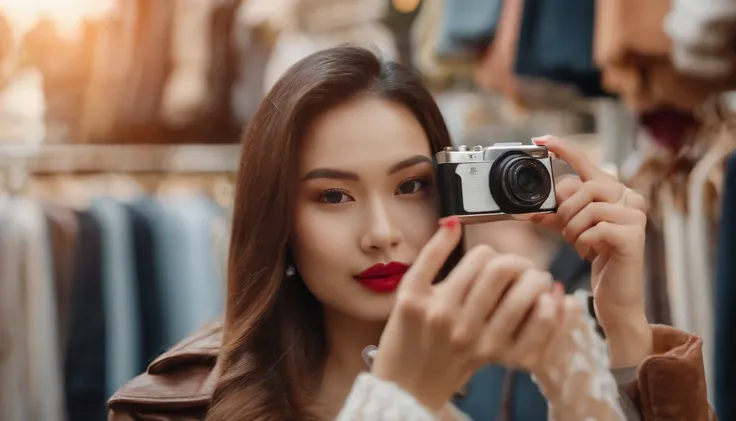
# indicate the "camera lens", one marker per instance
pixel 524 179
pixel 519 183
pixel 528 180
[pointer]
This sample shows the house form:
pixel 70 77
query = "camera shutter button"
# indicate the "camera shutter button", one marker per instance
pixel 477 148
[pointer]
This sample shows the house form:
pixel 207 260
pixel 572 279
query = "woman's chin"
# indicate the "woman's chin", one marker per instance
pixel 373 308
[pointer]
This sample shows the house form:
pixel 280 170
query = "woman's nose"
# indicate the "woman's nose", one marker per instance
pixel 380 233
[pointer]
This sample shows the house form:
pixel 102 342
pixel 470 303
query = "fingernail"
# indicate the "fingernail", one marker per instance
pixel 540 140
pixel 559 289
pixel 449 222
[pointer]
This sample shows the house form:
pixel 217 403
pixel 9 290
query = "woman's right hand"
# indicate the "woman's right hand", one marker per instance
pixel 491 309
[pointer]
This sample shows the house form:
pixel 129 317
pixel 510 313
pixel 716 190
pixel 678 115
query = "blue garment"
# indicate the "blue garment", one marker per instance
pixel 120 293
pixel 467 27
pixel 725 288
pixel 556 43
pixel 143 219
pixel 190 292
pixel 86 354
pixel 484 398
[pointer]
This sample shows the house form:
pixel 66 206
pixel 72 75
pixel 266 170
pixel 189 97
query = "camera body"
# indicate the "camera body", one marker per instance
pixel 484 184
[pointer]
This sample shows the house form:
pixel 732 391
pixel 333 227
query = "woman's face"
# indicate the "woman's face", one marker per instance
pixel 366 199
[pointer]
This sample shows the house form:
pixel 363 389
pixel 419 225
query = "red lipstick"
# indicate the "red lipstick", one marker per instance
pixel 382 278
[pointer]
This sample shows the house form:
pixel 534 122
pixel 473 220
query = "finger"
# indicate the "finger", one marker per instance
pixel 534 333
pixel 457 284
pixel 573 156
pixel 596 212
pixel 430 260
pixel 634 200
pixel 565 187
pixel 515 306
pixel 604 236
pixel 591 191
pixel 561 343
pixel 488 289
pixel 558 296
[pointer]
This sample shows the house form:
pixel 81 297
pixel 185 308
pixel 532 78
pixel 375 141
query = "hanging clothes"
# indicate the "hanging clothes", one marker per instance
pixel 120 293
pixel 496 70
pixel 467 27
pixel 31 386
pixel 725 323
pixel 255 50
pixel 702 38
pixel 669 128
pixel 86 354
pixel 185 93
pixel 633 52
pixel 90 295
pixel 191 297
pixel 701 244
pixel 63 231
pixel 564 57
pixel 147 275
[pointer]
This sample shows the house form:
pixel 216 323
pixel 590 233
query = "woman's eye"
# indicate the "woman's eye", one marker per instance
pixel 334 197
pixel 410 186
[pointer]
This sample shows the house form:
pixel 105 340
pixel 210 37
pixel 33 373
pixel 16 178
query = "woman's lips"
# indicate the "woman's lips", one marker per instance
pixel 382 278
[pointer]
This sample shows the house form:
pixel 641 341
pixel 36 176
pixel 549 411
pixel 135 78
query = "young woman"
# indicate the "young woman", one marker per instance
pixel 336 247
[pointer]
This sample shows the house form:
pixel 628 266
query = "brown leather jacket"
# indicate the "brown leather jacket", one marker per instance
pixel 179 384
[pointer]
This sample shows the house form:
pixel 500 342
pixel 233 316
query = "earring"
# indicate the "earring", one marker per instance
pixel 290 271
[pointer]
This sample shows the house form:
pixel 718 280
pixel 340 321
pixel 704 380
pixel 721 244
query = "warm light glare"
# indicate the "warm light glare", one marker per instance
pixel 67 14
pixel 405 6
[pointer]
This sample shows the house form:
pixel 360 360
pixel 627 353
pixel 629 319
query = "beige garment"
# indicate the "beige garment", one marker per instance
pixel 496 71
pixel 425 37
pixel 329 15
pixel 64 230
pixel 220 239
pixel 15 398
pixel 185 94
pixel 272 14
pixel 292 46
pixel 702 243
pixel 629 29
pixel 702 34
pixel 33 362
pixel 633 52
pixel 98 113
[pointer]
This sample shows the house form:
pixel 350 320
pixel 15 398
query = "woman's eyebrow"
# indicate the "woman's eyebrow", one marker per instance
pixel 330 173
pixel 335 174
pixel 409 162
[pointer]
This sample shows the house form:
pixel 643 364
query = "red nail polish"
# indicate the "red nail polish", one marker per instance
pixel 449 222
pixel 558 288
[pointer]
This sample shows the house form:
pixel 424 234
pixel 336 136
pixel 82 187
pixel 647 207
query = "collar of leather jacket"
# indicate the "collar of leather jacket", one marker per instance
pixel 184 377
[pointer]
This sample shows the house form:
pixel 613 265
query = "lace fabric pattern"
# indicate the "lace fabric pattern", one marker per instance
pixel 577 382
pixel 372 399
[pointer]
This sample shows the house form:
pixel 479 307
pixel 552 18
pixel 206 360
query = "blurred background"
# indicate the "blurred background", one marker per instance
pixel 120 124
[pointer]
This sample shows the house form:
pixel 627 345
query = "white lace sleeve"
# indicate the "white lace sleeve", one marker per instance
pixel 372 399
pixel 577 381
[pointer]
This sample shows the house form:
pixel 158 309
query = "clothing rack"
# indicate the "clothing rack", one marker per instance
pixel 55 159
pixel 19 161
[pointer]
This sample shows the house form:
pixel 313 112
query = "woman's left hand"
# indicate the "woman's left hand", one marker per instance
pixel 605 221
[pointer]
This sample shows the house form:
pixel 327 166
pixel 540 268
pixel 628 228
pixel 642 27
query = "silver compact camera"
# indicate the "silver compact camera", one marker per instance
pixel 483 184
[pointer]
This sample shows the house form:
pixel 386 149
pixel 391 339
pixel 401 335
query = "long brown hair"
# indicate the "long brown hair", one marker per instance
pixel 274 345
